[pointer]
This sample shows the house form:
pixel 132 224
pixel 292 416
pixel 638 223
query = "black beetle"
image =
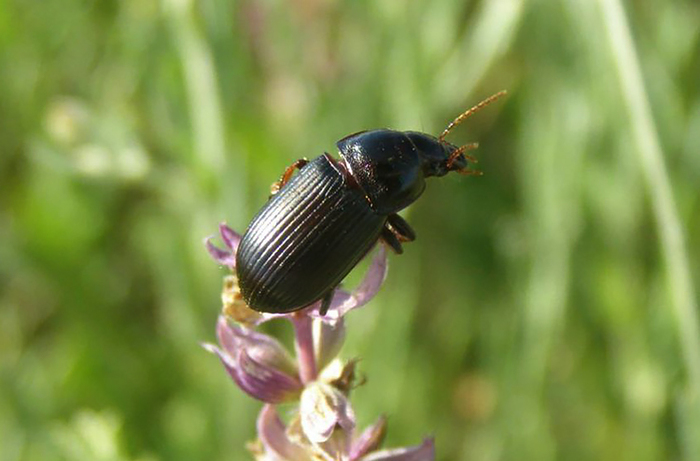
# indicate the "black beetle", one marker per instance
pixel 318 224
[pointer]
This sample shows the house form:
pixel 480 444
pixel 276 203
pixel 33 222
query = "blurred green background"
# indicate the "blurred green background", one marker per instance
pixel 546 311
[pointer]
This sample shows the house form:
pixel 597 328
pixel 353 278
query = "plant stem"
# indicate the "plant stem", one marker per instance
pixel 654 170
pixel 304 344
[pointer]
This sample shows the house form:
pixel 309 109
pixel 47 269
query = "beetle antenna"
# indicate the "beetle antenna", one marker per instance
pixel 470 112
pixel 461 151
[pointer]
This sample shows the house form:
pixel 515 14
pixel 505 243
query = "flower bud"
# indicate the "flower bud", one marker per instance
pixel 258 363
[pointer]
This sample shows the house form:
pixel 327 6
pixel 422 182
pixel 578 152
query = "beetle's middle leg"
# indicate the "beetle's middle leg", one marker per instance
pixel 287 175
pixel 326 301
pixel 397 230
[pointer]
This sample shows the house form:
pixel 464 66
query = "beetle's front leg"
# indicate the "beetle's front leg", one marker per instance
pixel 287 175
pixel 389 237
pixel 397 230
pixel 401 228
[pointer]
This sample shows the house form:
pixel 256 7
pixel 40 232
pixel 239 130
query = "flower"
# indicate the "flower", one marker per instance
pixel 278 442
pixel 258 363
pixel 324 403
pixel 322 426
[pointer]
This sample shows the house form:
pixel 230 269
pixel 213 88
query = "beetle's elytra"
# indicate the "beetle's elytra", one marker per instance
pixel 319 223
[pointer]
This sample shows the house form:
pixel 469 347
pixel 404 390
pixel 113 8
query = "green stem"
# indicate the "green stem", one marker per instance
pixel 657 181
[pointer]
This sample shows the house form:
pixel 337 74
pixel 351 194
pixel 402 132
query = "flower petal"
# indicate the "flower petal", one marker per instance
pixel 343 302
pixel 322 408
pixel 230 237
pixel 369 440
pixel 422 452
pixel 272 434
pixel 259 346
pixel 258 364
pixel 223 257
pixel 336 447
pixel 328 340
pixel 260 382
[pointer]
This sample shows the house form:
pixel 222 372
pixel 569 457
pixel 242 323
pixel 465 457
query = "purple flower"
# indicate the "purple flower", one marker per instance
pixel 322 427
pixel 278 442
pixel 258 363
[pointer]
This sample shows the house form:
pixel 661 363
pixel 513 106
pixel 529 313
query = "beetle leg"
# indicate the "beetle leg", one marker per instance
pixel 326 302
pixel 401 228
pixel 287 175
pixel 390 238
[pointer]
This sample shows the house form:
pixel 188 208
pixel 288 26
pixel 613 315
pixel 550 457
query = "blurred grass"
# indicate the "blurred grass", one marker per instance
pixel 538 316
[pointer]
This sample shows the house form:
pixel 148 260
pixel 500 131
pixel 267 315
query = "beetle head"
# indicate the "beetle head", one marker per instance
pixel 440 157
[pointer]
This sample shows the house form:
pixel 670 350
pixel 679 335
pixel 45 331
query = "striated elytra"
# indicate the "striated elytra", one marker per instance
pixel 319 223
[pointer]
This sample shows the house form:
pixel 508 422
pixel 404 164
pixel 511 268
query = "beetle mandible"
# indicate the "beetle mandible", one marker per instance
pixel 319 223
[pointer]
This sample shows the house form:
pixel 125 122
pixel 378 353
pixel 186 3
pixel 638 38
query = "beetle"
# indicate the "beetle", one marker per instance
pixel 318 224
